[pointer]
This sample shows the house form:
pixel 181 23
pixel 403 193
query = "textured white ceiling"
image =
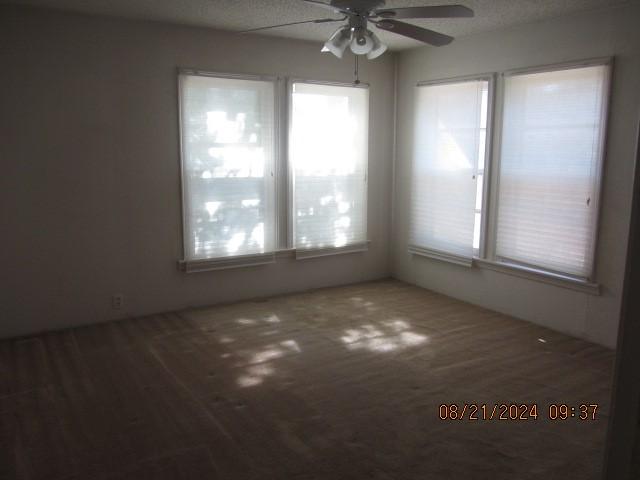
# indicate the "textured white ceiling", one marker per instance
pixel 246 14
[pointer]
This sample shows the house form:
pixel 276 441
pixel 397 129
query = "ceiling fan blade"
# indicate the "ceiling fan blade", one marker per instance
pixel 322 20
pixel 438 11
pixel 415 32
pixel 318 3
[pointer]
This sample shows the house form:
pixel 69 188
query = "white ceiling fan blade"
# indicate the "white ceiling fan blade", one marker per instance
pixel 412 31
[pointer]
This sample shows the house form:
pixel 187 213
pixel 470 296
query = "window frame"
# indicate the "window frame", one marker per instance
pixel 493 261
pixel 290 179
pixel 488 235
pixel 490 78
pixel 220 263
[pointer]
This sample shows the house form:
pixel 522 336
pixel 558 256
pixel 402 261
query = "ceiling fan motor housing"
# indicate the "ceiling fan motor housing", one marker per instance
pixel 357 6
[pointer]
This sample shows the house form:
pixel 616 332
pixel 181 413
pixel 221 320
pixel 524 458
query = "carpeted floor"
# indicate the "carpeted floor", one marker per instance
pixel 339 383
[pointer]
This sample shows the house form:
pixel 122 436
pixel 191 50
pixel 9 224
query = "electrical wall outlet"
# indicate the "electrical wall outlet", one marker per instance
pixel 117 301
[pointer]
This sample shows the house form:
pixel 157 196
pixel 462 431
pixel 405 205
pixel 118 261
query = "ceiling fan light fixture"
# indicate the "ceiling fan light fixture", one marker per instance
pixel 338 42
pixel 361 42
pixel 378 47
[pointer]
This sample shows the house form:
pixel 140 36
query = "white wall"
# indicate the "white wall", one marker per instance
pixel 89 191
pixel 588 35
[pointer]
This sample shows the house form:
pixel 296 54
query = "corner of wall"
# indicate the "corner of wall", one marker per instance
pixel 394 154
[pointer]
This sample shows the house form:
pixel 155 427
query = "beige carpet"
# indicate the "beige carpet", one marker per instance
pixel 340 383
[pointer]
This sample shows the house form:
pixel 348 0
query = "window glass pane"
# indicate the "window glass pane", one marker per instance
pixel 476 231
pixel 479 187
pixel 482 145
pixel 484 107
pixel 228 154
pixel 328 146
pixel 449 137
pixel 551 147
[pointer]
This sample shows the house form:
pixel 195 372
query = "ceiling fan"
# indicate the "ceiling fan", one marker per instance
pixel 359 13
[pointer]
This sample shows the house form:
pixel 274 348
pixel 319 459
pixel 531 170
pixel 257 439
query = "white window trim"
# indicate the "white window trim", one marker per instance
pixel 283 221
pixel 301 254
pixel 222 263
pixel 487 258
pixel 443 256
pixel 260 259
pixel 490 78
pixel 589 284
pixel 538 275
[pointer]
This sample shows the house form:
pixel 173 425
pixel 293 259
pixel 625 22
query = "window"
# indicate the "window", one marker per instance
pixel 328 155
pixel 550 162
pixel 228 144
pixel 448 169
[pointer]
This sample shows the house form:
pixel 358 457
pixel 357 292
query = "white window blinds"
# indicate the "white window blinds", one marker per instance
pixel 552 138
pixel 448 165
pixel 228 158
pixel 328 152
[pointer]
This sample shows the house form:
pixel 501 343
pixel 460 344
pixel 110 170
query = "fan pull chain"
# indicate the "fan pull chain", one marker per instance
pixel 357 79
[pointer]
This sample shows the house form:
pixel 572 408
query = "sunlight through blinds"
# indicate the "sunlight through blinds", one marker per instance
pixel 329 151
pixel 553 126
pixel 228 162
pixel 448 158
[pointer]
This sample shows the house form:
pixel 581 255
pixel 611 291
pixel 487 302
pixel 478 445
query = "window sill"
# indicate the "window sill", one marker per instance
pixel 303 254
pixel 224 263
pixel 443 256
pixel 539 276
pixel 515 270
